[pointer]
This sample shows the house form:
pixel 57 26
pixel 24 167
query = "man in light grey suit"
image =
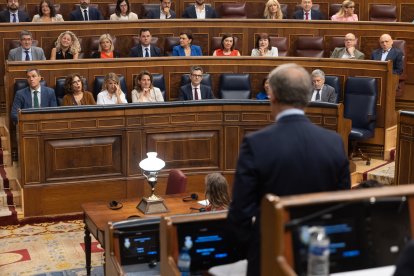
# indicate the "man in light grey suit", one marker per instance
pixel 322 92
pixel 349 50
pixel 33 96
pixel 26 52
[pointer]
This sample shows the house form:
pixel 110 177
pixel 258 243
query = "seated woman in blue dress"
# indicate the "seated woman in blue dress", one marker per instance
pixel 185 48
pixel 264 95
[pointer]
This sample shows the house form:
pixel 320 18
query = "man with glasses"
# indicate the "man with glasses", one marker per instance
pixel 164 12
pixel 26 51
pixel 195 90
pixel 349 51
pixel 12 14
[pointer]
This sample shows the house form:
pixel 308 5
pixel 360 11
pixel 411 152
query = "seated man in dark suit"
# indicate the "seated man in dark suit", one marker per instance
pixel 85 13
pixel 292 156
pixel 200 11
pixel 322 92
pixel 164 12
pixel 26 52
pixel 307 13
pixel 387 52
pixel 12 14
pixel 144 48
pixel 195 90
pixel 33 96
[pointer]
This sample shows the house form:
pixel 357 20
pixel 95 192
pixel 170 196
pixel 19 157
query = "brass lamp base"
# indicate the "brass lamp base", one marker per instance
pixel 152 206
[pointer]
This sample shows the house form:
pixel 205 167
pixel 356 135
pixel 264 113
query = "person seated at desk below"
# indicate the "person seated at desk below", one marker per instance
pixel 185 48
pixel 199 11
pixel 272 10
pixel 144 48
pixel 67 46
pixel 405 262
pixel 322 92
pixel 123 12
pixel 217 192
pixel 12 13
pixel 263 47
pixel 144 91
pixel 47 13
pixel 75 93
pixel 33 96
pixel 387 52
pixel 85 13
pixel 349 51
pixel 346 13
pixel 227 47
pixel 307 13
pixel 164 12
pixel 195 90
pixel 26 52
pixel 106 48
pixel 111 91
pixel 264 95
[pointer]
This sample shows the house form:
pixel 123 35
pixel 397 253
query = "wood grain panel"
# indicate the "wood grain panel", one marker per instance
pixel 404 165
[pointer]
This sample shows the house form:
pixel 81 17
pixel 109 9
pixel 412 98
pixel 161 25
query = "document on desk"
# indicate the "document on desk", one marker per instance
pixel 377 271
pixel 203 202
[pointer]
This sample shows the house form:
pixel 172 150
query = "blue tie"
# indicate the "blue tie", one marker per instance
pixel 85 17
pixel 14 18
pixel 146 52
pixel 27 55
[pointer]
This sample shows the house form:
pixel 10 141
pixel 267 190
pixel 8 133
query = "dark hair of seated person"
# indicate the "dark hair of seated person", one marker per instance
pixel 371 183
pixel 217 192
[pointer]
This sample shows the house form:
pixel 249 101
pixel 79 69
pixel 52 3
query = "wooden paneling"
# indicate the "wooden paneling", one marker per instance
pixel 404 167
pixel 102 164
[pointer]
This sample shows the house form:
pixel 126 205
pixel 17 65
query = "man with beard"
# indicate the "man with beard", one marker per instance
pixel 200 11
pixel 85 13
pixel 12 14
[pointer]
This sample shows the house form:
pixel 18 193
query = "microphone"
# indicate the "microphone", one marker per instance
pixel 190 198
pixel 198 209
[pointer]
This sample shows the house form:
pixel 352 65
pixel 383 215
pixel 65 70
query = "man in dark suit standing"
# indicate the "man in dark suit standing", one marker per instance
pixel 12 14
pixel 145 49
pixel 387 52
pixel 195 90
pixel 164 12
pixel 199 11
pixel 33 96
pixel 322 92
pixel 307 13
pixel 85 13
pixel 291 156
pixel 26 51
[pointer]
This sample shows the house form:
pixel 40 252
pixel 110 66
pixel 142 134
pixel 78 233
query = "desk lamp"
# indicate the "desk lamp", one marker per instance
pixel 151 166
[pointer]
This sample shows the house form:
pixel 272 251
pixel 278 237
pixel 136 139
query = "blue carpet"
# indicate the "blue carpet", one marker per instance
pixel 96 271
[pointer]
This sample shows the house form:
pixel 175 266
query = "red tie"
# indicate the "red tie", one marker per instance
pixel 306 15
pixel 195 94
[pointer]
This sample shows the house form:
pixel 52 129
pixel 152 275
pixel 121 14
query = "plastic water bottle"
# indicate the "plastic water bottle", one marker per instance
pixel 184 259
pixel 318 253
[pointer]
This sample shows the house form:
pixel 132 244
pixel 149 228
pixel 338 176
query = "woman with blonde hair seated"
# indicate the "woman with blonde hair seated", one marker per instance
pixel 346 13
pixel 106 48
pixel 111 91
pixel 217 192
pixel 47 13
pixel 272 10
pixel 75 92
pixel 144 90
pixel 67 46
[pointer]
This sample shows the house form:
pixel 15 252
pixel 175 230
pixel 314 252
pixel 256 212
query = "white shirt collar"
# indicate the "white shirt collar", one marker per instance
pixel 288 112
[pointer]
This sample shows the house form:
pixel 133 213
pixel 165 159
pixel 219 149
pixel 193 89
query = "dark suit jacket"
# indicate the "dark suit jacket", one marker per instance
pixel 5 16
pixel 23 100
pixel 186 93
pixel 292 156
pixel 190 12
pixel 137 51
pixel 395 55
pixel 405 263
pixel 315 15
pixel 94 14
pixel 155 14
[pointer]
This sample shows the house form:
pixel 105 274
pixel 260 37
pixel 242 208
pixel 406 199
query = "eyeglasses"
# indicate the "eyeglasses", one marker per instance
pixel 196 76
pixel 351 7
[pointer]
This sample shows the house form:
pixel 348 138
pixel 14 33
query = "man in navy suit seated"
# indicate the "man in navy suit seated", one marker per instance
pixel 85 13
pixel 199 11
pixel 33 96
pixel 387 52
pixel 12 14
pixel 144 48
pixel 292 156
pixel 307 13
pixel 195 90
pixel 164 12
